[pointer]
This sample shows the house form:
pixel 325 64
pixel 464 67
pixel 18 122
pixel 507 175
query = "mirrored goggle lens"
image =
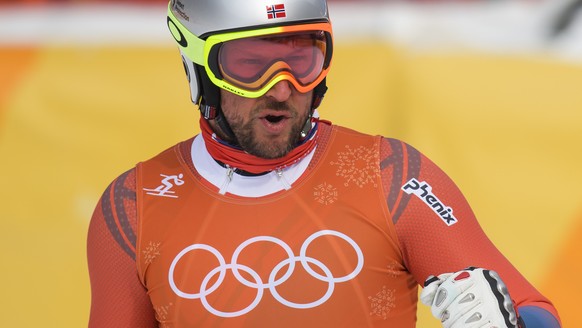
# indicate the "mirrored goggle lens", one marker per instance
pixel 250 63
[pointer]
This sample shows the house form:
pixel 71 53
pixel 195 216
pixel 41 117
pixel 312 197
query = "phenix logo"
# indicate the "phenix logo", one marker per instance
pixel 423 191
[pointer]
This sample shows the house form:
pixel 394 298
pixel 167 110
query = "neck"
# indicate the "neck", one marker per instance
pixel 234 157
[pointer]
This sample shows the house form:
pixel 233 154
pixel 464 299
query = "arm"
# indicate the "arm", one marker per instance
pixel 537 317
pixel 118 299
pixel 438 231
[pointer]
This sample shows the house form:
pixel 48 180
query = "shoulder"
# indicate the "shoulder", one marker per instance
pixel 120 191
pixel 388 145
pixel 115 215
pixel 399 156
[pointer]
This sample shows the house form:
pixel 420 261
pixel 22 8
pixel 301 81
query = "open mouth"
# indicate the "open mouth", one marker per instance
pixel 274 118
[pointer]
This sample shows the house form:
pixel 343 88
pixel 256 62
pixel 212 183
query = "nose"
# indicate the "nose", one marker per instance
pixel 281 91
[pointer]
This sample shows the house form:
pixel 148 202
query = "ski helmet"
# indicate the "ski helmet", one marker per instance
pixel 246 47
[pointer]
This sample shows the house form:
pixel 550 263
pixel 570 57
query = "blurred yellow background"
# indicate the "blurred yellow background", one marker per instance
pixel 507 128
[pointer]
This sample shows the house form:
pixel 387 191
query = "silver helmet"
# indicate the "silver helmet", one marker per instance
pixel 193 22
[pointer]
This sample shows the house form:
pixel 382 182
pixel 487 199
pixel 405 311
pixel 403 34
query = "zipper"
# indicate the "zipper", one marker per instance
pixel 227 180
pixel 282 179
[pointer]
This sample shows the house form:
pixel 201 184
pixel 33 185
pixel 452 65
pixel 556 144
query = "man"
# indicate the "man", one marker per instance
pixel 273 217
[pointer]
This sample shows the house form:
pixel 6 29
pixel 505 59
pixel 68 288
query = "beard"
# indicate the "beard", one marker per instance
pixel 249 141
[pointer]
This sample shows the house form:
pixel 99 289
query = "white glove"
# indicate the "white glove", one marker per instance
pixel 470 298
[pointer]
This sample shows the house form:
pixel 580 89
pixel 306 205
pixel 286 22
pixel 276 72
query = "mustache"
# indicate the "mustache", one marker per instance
pixel 274 105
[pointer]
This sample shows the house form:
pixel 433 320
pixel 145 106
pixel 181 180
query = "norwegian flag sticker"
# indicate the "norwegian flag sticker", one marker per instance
pixel 276 11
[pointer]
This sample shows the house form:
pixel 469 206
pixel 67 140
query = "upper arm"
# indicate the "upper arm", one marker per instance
pixel 437 229
pixel 118 299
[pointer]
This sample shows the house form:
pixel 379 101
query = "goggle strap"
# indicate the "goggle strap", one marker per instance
pixel 192 46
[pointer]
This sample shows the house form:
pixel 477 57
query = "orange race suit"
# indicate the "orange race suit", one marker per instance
pixel 345 245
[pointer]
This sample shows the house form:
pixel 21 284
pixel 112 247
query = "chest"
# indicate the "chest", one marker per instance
pixel 323 254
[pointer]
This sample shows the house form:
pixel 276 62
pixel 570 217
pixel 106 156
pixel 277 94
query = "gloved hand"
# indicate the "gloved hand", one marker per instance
pixel 470 298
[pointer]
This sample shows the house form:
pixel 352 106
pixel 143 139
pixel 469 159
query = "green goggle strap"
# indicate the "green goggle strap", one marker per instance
pixel 190 44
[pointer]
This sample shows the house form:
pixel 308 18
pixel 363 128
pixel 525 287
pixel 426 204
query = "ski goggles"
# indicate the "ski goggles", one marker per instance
pixel 249 63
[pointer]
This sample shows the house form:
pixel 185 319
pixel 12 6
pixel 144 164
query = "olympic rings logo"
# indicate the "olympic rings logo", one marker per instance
pixel 273 282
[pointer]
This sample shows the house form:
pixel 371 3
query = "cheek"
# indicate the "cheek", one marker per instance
pixel 231 103
pixel 234 106
pixel 226 101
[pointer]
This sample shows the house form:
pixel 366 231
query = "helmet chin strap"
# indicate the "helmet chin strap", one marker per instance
pixel 209 105
pixel 318 94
